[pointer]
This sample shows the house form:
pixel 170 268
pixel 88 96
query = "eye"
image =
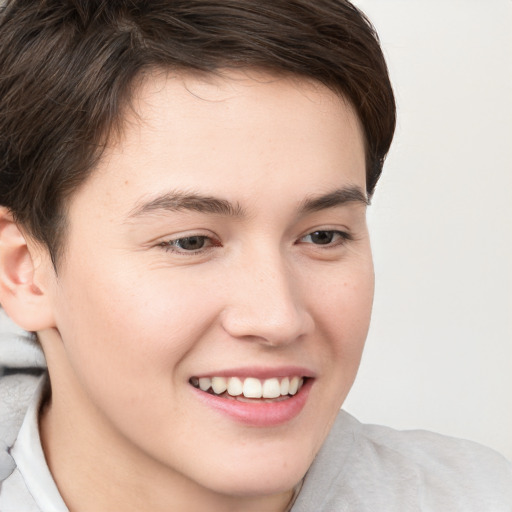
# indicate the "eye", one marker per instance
pixel 326 237
pixel 189 244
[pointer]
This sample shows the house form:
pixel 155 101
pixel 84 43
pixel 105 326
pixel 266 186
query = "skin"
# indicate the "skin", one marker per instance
pixel 133 317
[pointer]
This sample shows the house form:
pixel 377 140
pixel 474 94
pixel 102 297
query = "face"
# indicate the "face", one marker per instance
pixel 221 242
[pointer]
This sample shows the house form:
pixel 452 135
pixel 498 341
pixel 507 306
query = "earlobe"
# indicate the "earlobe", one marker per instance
pixel 23 299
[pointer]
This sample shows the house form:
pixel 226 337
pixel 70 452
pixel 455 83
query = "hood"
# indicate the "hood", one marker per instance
pixel 19 349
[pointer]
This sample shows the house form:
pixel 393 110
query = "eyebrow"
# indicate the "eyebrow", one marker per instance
pixel 179 201
pixel 339 197
pixel 182 201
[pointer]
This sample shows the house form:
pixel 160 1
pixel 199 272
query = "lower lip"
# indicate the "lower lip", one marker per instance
pixel 259 414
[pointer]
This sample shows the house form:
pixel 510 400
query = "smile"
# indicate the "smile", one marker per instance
pixel 250 387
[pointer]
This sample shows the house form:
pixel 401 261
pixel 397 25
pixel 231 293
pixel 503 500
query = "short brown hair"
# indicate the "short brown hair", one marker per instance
pixel 67 67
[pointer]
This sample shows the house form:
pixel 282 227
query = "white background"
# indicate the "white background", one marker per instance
pixel 439 353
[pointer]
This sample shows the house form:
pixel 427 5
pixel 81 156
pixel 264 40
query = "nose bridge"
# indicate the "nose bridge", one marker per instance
pixel 266 301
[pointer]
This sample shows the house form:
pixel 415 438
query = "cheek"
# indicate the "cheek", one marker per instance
pixel 125 340
pixel 346 299
pixel 344 306
pixel 130 324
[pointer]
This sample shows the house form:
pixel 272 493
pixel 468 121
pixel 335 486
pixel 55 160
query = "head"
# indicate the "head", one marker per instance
pixel 69 70
pixel 184 188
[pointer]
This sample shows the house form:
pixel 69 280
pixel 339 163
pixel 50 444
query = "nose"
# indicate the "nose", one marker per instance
pixel 265 303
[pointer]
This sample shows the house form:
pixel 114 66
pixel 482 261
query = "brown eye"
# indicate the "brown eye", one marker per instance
pixel 322 237
pixel 190 243
pixel 325 237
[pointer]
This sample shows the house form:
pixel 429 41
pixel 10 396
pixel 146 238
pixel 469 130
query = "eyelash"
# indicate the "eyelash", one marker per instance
pixel 174 244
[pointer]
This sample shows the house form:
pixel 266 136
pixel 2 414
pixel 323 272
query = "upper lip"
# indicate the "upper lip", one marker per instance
pixel 260 372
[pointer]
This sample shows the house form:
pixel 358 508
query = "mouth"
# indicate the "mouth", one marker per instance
pixel 250 389
pixel 255 397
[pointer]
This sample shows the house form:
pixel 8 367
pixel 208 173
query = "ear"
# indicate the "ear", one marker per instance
pixel 24 300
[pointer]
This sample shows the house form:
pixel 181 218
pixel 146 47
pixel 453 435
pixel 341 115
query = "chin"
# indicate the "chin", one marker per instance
pixel 268 470
pixel 256 482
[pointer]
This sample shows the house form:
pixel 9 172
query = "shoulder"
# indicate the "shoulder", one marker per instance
pixel 370 467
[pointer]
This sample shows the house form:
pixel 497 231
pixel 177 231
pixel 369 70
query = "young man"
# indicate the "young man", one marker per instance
pixel 184 188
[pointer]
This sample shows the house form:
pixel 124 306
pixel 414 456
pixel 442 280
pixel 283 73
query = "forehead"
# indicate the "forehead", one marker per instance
pixel 232 135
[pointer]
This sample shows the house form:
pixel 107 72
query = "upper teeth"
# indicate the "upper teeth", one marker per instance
pixel 250 387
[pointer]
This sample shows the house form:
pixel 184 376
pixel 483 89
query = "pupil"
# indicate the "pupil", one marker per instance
pixel 322 237
pixel 192 243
